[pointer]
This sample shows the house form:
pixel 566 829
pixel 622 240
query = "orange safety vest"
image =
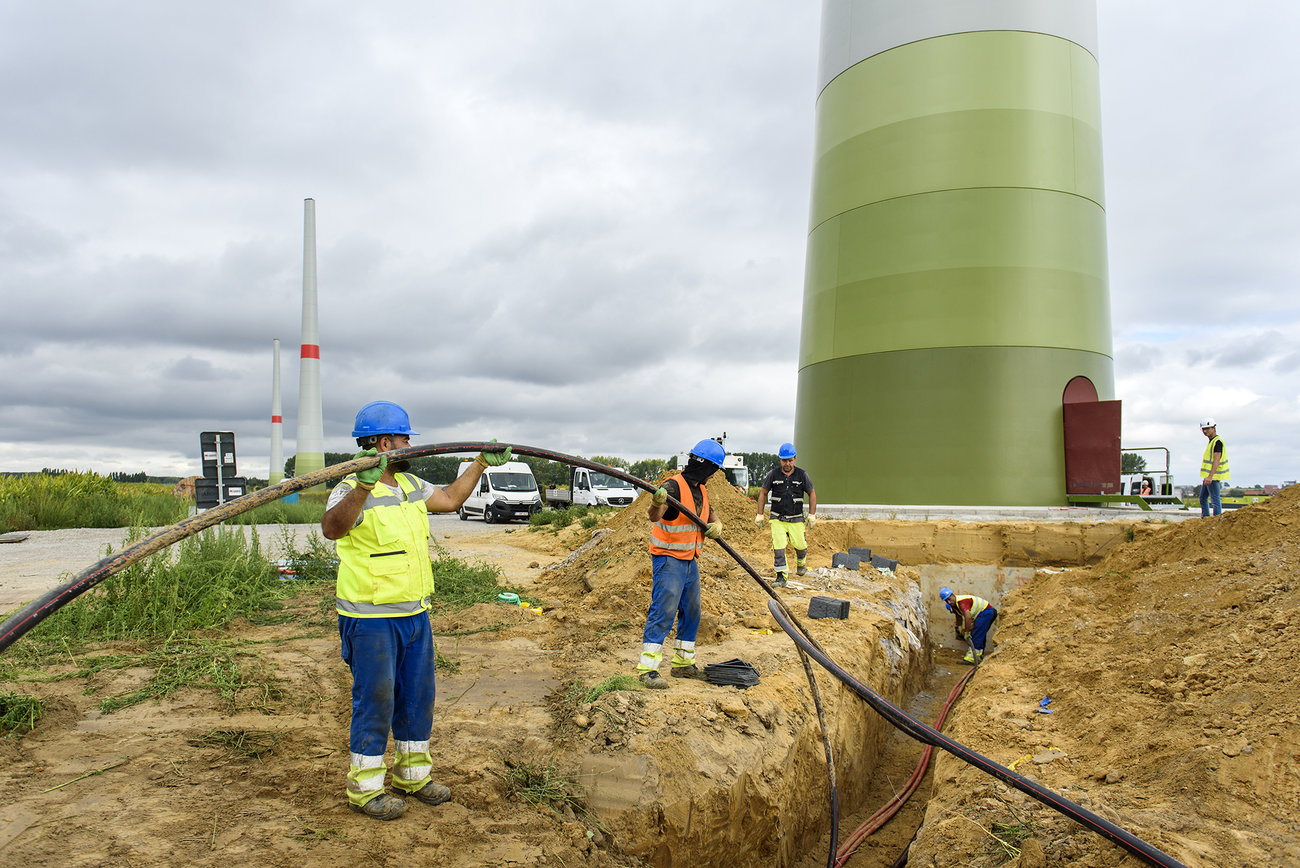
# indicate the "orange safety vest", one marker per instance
pixel 681 539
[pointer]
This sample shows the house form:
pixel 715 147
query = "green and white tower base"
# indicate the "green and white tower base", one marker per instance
pixel 956 275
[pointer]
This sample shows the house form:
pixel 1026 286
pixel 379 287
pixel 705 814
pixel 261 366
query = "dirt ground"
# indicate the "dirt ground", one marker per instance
pixel 1166 657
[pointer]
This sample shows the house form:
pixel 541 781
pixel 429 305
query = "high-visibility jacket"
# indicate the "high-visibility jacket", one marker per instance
pixel 973 604
pixel 1207 461
pixel 384 569
pixel 682 538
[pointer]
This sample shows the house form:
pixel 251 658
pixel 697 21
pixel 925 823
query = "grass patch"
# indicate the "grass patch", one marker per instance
pixel 279 512
pixel 49 501
pixel 547 787
pixel 19 713
pixel 583 694
pixel 205 581
pixel 206 665
pixel 246 743
pixel 318 562
pixel 459 585
pixel 558 519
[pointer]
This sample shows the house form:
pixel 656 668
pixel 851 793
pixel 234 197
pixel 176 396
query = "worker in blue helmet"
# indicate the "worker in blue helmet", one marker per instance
pixel 380 518
pixel 787 485
pixel 675 542
pixel 974 616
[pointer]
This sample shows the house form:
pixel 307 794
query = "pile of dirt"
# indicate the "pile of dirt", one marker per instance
pixel 1170 667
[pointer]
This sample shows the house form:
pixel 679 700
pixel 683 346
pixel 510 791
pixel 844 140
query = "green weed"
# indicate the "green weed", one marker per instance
pixel 247 743
pixel 609 685
pixel 19 713
pixel 546 787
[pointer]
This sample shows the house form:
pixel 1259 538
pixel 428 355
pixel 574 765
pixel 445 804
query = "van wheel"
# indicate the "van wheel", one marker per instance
pixel 487 515
pixel 464 516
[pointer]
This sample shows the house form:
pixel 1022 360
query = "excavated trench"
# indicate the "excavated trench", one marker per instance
pixel 724 776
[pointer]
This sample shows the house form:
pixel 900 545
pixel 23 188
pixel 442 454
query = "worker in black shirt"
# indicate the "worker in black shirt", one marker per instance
pixel 788 485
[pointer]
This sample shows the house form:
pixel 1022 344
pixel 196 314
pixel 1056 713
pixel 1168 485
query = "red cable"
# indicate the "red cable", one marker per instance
pixel 890 808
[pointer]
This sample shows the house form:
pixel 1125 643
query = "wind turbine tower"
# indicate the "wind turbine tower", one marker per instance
pixel 276 473
pixel 310 447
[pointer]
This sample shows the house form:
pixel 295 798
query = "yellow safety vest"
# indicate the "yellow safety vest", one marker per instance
pixel 1208 460
pixel 384 569
pixel 977 604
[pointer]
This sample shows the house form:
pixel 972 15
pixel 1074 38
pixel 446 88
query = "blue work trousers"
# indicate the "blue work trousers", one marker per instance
pixel 392 680
pixel 979 630
pixel 1210 496
pixel 674 596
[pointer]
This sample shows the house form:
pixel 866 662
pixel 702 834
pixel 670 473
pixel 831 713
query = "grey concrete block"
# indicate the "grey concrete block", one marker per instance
pixel 845 562
pixel 863 553
pixel 828 607
pixel 884 563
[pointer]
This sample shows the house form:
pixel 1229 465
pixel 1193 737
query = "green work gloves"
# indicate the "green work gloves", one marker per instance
pixel 369 477
pixel 758 520
pixel 493 459
pixel 714 530
pixel 660 497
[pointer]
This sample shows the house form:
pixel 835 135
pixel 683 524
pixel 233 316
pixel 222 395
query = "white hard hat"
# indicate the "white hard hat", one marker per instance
pixel 1207 422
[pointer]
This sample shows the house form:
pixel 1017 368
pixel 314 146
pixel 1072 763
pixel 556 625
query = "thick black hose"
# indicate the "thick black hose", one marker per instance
pixel 926 735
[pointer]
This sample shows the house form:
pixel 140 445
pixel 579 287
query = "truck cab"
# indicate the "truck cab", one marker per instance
pixel 504 493
pixel 593 488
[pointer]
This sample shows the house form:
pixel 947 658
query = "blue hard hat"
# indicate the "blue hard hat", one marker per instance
pixel 945 593
pixel 381 417
pixel 709 450
pixel 786 451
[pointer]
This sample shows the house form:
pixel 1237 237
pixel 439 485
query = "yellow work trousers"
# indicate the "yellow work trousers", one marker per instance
pixel 788 533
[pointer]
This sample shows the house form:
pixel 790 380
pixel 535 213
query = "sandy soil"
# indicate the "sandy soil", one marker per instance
pixel 1166 660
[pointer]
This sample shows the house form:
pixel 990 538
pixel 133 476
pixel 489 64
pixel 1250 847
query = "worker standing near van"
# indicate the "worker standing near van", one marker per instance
pixel 788 484
pixel 675 542
pixel 380 518
pixel 1214 469
pixel 974 616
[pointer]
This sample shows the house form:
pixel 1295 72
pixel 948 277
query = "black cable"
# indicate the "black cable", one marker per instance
pixel 927 735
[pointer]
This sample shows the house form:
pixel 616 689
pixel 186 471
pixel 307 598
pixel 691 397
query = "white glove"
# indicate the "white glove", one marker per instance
pixel 758 520
pixel 812 519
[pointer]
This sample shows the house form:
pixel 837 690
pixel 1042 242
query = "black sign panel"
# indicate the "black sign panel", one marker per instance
pixel 212 452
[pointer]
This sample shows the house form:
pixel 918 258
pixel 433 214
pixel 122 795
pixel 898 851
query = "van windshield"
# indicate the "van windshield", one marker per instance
pixel 604 480
pixel 513 481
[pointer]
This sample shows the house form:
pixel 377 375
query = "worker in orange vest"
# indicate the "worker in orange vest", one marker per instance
pixel 675 542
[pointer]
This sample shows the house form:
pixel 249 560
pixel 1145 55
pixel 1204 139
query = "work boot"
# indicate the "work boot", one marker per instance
pixel 381 807
pixel 779 582
pixel 653 680
pixel 802 571
pixel 691 671
pixel 979 655
pixel 431 793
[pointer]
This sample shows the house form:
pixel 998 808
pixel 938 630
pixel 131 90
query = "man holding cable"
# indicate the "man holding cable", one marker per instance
pixel 380 518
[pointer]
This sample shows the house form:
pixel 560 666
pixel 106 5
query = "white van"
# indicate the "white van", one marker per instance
pixel 503 493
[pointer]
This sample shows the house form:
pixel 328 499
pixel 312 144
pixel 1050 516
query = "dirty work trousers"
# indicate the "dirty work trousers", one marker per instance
pixel 392 690
pixel 979 630
pixel 674 596
pixel 788 533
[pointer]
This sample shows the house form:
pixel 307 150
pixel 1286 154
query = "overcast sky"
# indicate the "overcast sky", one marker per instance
pixel 532 217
